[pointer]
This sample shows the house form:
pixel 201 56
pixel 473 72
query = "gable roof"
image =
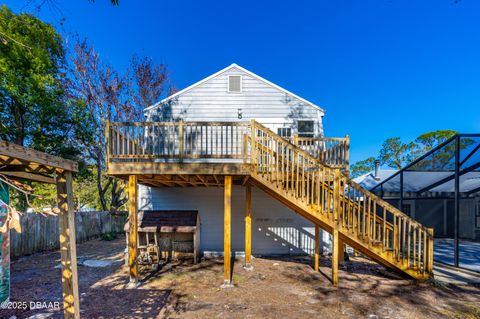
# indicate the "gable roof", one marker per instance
pixel 233 65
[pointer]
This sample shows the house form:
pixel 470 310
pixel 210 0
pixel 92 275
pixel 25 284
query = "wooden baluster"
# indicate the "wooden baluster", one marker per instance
pixel 395 237
pixel 374 212
pixel 424 268
pixel 384 222
pixel 400 245
pixel 409 235
pixel 403 238
pixel 336 185
pixel 414 246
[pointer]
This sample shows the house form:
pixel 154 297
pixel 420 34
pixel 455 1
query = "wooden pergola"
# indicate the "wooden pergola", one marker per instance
pixel 20 163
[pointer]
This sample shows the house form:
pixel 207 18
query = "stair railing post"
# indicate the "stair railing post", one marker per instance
pixel 430 251
pixel 252 142
pixel 347 155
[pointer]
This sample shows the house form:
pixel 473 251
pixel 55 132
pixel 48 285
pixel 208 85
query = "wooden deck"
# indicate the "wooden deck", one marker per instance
pixel 205 150
pixel 305 175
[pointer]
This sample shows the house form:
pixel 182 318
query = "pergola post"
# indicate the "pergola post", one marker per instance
pixel 248 227
pixel 68 252
pixel 133 229
pixel 335 253
pixel 317 248
pixel 227 226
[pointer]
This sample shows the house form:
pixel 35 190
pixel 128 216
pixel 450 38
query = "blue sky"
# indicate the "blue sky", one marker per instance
pixel 380 68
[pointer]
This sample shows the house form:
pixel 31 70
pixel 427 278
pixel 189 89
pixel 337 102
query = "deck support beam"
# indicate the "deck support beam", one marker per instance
pixel 133 229
pixel 227 227
pixel 335 253
pixel 248 228
pixel 317 248
pixel 68 252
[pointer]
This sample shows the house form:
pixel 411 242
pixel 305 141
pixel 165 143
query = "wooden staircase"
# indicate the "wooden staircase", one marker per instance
pixel 328 198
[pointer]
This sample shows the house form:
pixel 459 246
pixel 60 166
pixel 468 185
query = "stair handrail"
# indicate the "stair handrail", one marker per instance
pixel 343 175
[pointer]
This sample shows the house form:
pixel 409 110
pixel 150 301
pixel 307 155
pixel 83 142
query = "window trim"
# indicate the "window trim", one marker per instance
pixel 287 129
pixel 306 134
pixel 241 84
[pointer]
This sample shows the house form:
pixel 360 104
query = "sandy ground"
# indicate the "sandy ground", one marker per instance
pixel 276 288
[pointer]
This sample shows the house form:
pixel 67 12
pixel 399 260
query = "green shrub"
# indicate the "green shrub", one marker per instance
pixel 109 236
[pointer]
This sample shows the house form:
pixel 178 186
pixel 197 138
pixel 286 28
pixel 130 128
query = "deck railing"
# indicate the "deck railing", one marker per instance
pixel 157 141
pixel 147 141
pixel 334 151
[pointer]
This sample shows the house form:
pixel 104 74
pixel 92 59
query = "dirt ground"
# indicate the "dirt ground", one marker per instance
pixel 276 288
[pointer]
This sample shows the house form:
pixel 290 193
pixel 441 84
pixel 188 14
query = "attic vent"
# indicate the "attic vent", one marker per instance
pixel 235 83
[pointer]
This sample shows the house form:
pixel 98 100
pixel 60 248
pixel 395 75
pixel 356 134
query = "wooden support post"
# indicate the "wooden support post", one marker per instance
pixel 133 228
pixel 335 249
pixel 317 247
pixel 68 252
pixel 248 227
pixel 227 216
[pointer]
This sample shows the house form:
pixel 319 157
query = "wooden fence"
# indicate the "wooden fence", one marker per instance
pixel 40 233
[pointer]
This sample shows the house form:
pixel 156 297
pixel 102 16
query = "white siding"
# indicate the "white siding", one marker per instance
pixel 275 228
pixel 211 101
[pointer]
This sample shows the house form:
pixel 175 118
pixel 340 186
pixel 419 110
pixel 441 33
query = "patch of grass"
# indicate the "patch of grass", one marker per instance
pixel 468 311
pixel 437 283
pixel 109 236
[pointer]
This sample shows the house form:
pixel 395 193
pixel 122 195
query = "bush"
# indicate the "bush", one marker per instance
pixel 109 236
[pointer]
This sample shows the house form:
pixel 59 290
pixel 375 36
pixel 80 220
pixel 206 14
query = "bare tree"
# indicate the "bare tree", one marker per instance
pixel 102 94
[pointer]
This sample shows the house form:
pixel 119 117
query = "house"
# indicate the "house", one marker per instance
pixel 235 94
pixel 252 159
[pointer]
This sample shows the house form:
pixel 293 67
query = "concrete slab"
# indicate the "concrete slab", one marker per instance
pixel 469 253
pixel 456 276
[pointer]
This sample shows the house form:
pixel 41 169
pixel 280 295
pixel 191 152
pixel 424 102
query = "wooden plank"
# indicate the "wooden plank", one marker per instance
pixel 115 169
pixel 133 229
pixel 317 248
pixel 31 156
pixel 227 216
pixel 68 253
pixel 248 227
pixel 30 177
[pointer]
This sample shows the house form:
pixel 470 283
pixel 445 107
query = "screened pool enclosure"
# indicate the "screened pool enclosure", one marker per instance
pixel 443 188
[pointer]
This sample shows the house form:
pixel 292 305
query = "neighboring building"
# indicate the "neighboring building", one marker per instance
pixel 236 94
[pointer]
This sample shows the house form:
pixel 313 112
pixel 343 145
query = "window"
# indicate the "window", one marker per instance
pixel 234 83
pixel 284 131
pixel 305 128
pixel 477 215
